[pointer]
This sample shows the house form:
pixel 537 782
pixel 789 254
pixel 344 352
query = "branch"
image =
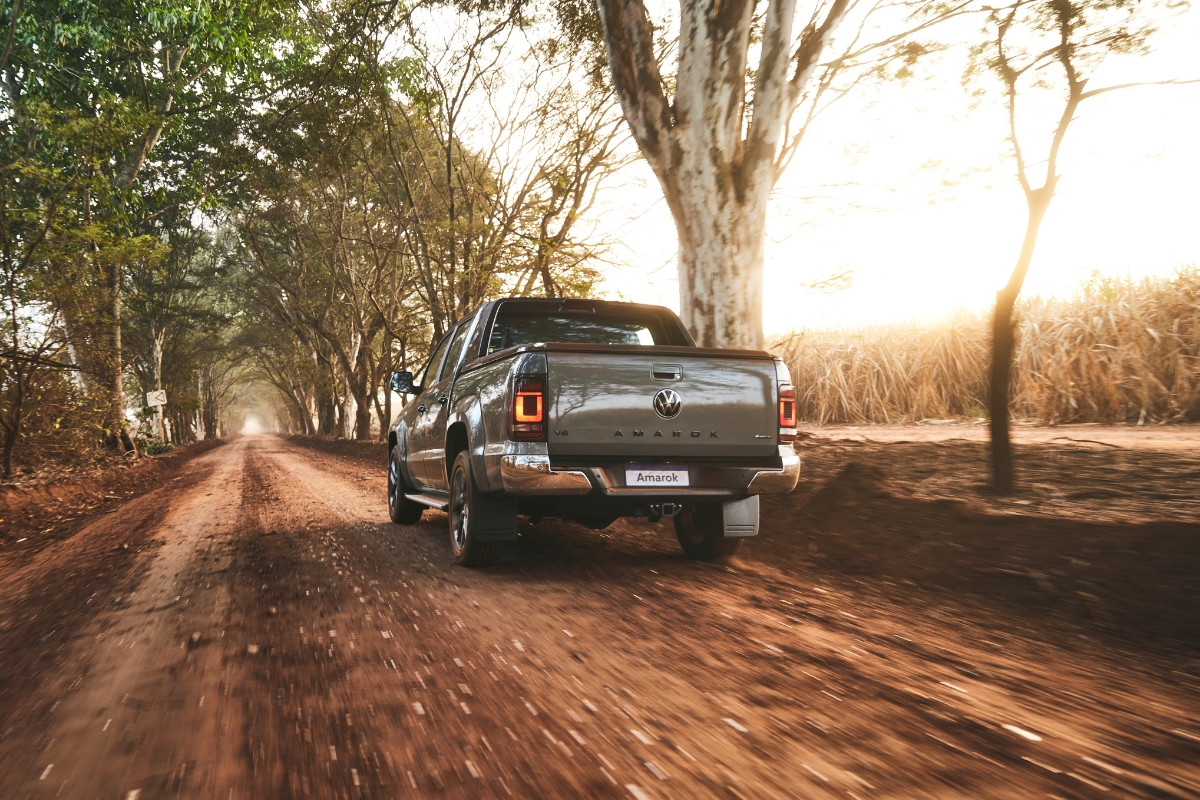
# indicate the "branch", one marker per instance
pixel 12 29
pixel 771 91
pixel 1106 89
pixel 36 360
pixel 629 38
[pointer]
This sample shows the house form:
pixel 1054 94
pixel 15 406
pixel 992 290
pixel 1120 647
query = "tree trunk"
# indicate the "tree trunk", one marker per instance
pixel 79 376
pixel 721 267
pixel 1003 341
pixel 157 356
pixel 212 423
pixel 713 156
pixel 118 437
pixel 544 270
pixel 385 417
pixel 339 430
pixel 1004 345
pixel 300 411
pixel 296 422
pixel 10 444
pixel 325 414
pixel 362 417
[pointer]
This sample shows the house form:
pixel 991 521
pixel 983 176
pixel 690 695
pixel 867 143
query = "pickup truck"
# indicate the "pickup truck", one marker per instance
pixel 589 410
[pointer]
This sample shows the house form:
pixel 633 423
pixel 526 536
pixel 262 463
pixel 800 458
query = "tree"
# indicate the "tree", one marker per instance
pixel 1034 47
pixel 140 75
pixel 172 305
pixel 719 132
pixel 496 150
pixel 374 223
pixel 34 194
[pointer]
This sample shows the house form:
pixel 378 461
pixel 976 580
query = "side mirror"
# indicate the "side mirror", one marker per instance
pixel 402 383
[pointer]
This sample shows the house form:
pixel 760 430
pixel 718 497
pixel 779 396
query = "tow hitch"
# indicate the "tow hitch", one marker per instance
pixel 660 510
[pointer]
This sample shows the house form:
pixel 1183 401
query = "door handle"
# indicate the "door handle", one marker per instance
pixel 421 409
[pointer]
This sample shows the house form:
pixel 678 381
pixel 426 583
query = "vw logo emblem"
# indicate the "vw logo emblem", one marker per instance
pixel 668 404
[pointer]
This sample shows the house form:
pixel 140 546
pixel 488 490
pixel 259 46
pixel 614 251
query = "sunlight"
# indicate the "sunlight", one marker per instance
pixel 251 425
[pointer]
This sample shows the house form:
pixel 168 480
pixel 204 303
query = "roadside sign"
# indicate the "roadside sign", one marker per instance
pixel 158 398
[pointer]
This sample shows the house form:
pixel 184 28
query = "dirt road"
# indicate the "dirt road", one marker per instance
pixel 266 632
pixel 1161 438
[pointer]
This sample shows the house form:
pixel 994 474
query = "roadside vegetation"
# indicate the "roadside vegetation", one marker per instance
pixel 1119 350
pixel 269 208
pixel 266 209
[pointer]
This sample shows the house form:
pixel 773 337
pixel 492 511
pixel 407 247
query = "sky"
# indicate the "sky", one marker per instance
pixel 1128 199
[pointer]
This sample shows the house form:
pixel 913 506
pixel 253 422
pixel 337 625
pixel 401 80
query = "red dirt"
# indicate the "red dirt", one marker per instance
pixel 1137 437
pixel 894 632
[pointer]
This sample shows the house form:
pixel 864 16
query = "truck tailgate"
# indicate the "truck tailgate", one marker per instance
pixel 602 402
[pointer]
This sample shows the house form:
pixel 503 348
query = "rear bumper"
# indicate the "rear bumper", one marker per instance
pixel 531 474
pixel 778 481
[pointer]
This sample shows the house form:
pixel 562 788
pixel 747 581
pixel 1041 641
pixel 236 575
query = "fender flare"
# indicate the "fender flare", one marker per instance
pixel 468 414
pixel 401 434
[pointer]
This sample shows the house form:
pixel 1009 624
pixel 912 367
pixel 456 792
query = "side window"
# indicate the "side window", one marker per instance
pixel 476 337
pixel 435 361
pixel 456 348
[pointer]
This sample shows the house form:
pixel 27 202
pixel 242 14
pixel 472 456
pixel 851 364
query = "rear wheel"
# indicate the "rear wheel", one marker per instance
pixel 402 510
pixel 465 518
pixel 701 533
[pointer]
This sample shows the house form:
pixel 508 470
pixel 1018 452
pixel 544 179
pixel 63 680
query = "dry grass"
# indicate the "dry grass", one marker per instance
pixel 1119 350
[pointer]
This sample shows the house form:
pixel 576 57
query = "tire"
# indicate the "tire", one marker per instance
pixel 701 534
pixel 465 510
pixel 402 510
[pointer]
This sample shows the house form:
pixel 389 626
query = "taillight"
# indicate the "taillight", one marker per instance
pixel 529 408
pixel 787 414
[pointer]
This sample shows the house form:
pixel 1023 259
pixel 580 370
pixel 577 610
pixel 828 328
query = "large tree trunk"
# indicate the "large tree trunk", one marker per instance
pixel 721 267
pixel 1004 345
pixel 713 154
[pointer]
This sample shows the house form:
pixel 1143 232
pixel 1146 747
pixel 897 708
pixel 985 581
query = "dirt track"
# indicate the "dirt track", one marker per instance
pixel 268 633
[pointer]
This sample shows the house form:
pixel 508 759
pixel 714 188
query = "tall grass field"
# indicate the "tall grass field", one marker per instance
pixel 1119 350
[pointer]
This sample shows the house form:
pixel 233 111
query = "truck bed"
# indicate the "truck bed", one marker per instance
pixel 601 402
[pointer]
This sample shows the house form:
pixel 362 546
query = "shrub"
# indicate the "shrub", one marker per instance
pixel 1118 350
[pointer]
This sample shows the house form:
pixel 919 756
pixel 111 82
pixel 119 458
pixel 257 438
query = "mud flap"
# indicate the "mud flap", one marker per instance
pixel 740 517
pixel 495 518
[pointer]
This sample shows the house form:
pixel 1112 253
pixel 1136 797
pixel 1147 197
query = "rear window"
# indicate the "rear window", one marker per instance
pixel 515 328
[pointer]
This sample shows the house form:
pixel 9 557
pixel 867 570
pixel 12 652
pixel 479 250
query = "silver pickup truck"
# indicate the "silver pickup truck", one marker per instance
pixel 589 410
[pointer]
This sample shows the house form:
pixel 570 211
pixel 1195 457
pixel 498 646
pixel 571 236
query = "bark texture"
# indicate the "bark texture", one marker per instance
pixel 715 149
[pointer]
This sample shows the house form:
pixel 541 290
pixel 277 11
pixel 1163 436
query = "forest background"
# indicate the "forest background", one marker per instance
pixel 264 209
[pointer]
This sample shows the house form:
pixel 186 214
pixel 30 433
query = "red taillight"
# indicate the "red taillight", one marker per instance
pixel 528 418
pixel 787 414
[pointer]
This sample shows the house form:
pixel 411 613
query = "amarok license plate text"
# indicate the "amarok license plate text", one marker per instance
pixel 656 476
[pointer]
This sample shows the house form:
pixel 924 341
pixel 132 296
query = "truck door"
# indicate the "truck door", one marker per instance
pixel 439 409
pixel 426 408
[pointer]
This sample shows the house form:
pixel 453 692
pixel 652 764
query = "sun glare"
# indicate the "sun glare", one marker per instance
pixel 916 199
pixel 251 425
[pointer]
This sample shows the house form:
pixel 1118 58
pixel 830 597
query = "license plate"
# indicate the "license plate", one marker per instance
pixel 656 477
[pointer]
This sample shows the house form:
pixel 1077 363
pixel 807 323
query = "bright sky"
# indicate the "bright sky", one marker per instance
pixel 1128 200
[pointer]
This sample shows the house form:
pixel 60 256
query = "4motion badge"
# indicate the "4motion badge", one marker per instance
pixel 668 403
